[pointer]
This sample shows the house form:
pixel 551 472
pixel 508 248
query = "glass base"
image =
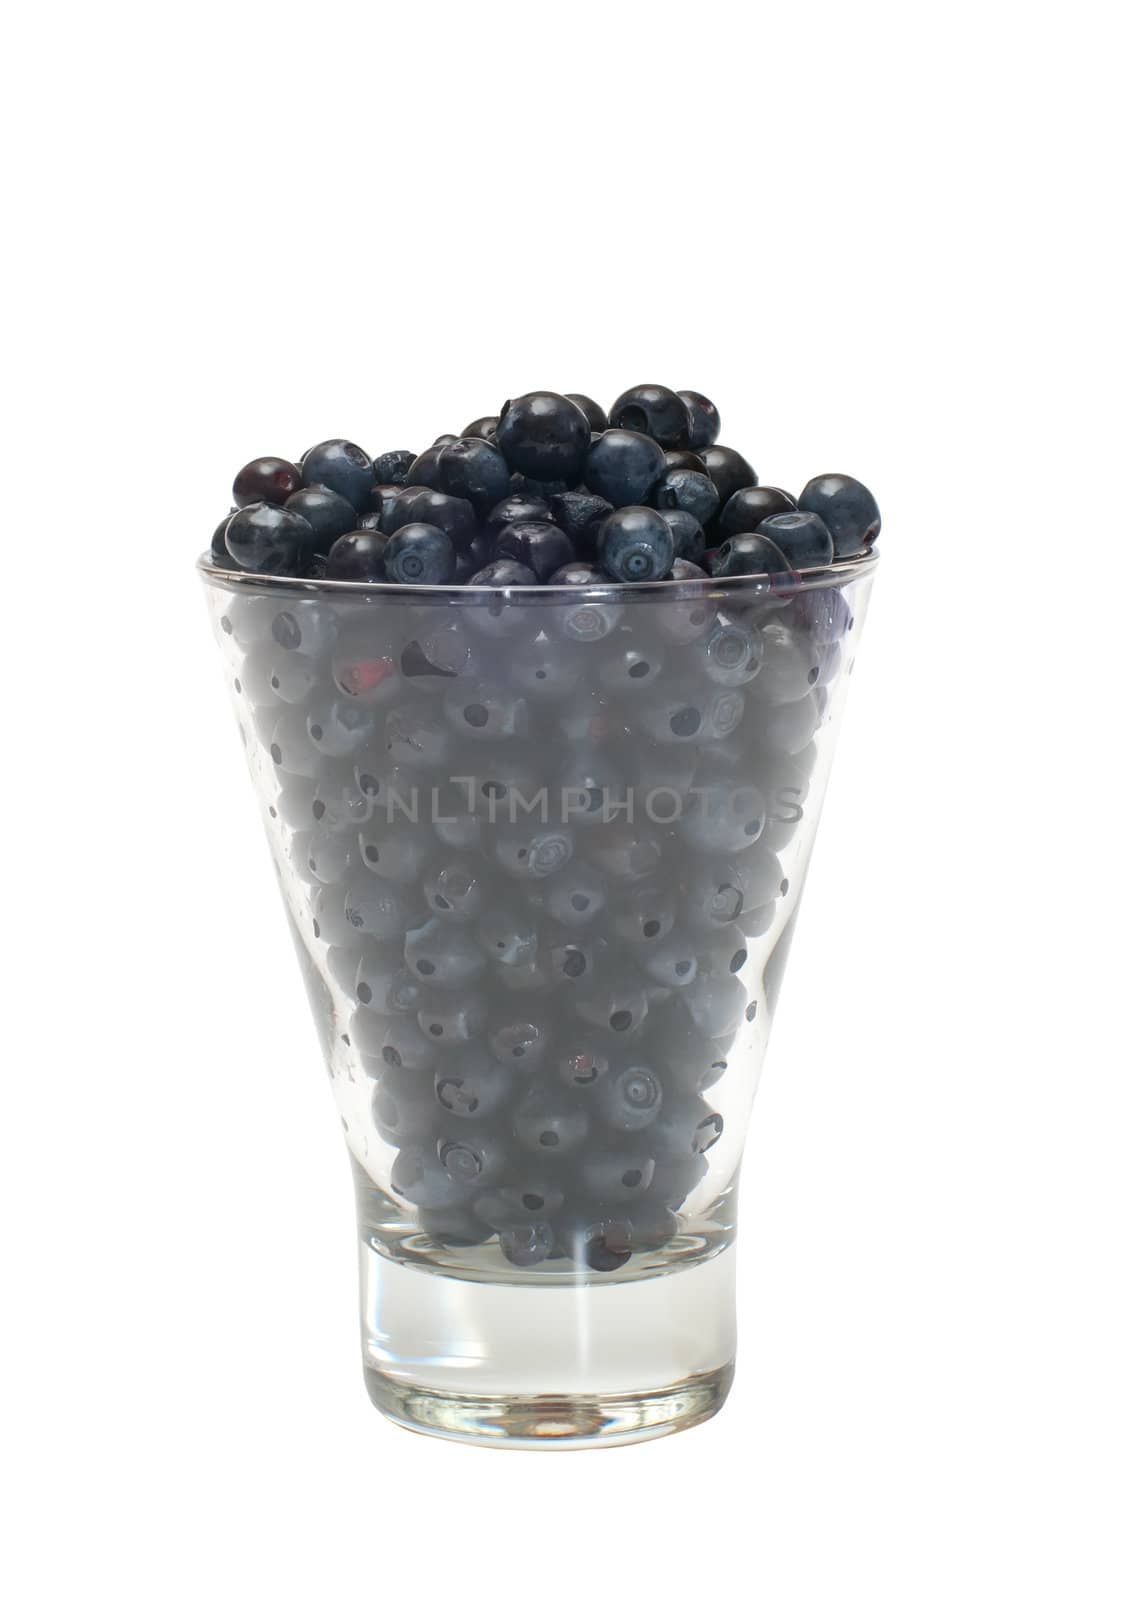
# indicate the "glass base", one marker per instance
pixel 550 1365
pixel 550 1421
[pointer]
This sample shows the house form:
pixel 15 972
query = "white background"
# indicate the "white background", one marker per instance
pixel 887 239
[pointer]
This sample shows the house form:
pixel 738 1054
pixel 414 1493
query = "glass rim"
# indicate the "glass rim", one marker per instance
pixel 835 575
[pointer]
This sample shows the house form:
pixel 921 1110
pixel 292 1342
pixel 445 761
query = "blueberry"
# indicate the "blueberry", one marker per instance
pixel 370 522
pixel 670 961
pixel 267 538
pixel 580 515
pixel 618 1008
pixel 535 1194
pixel 337 464
pixel 683 461
pixel 747 509
pixel 658 412
pixel 642 913
pixel 724 954
pixel 597 421
pixel 307 627
pixel 688 537
pixel 624 852
pixel 443 955
pixel 519 1041
pixel 703 421
pixel 376 907
pixel 544 436
pixel 419 553
pixel 631 1100
pixel 589 786
pixel 322 858
pixel 471 1084
pixel 361 665
pixel 328 515
pixel 822 613
pixel 289 746
pixel 747 554
pixel 359 558
pixel 395 850
pixel 507 935
pixel 339 727
pixel 540 546
pixel 691 713
pixel 576 896
pixel 579 575
pixel 635 545
pixel 484 711
pixel 382 982
pixel 788 729
pixel 526 1244
pixel 791 665
pixel 418 504
pixel 623 467
pixel 801 536
pixel 452 1018
pixel 474 470
pixel 456 891
pixel 453 1225
pixel 727 470
pixel 218 549
pixel 542 672
pixel 847 509
pixel 392 468
pixel 503 575
pixel 403 1044
pixel 681 490
pixel 584 1059
pixel 268 478
pixel 481 428
pixel 730 654
pixel 518 508
pixel 684 571
pixel 716 1004
pixel 533 850
pixel 601 1246
pixel 549 1122
pixel 617 1174
pixel 475 1157
pixel 425 470
pixel 402 1106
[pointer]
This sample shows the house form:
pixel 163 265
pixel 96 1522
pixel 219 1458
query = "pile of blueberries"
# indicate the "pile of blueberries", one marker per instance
pixel 543 998
pixel 552 491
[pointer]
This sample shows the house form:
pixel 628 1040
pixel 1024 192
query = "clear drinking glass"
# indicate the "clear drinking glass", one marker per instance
pixel 541 851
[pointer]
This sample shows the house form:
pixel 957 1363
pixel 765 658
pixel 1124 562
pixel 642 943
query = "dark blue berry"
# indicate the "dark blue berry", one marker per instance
pixel 623 467
pixel 264 538
pixel 687 533
pixel 747 509
pixel 658 412
pixel 481 428
pixel 544 436
pixel 218 549
pixel 745 554
pixel 474 470
pixel 369 522
pixel 631 1100
pixel 703 419
pixel 518 508
pixel 268 478
pixel 419 553
pixel 502 575
pixel 847 509
pixel 635 545
pixel 550 1122
pixel 580 515
pixel 680 490
pixel 358 558
pixel 540 546
pixel 579 575
pixel 683 461
pixel 342 466
pixel 420 504
pixel 425 471
pixel 393 467
pixel 597 421
pixel 526 1244
pixel 327 513
pixel 727 470
pixel 801 536
pixel 471 1085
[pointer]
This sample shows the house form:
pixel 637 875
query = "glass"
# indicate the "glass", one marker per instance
pixel 542 851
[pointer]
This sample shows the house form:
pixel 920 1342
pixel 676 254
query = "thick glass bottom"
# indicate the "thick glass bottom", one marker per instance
pixel 548 1365
pixel 551 1421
